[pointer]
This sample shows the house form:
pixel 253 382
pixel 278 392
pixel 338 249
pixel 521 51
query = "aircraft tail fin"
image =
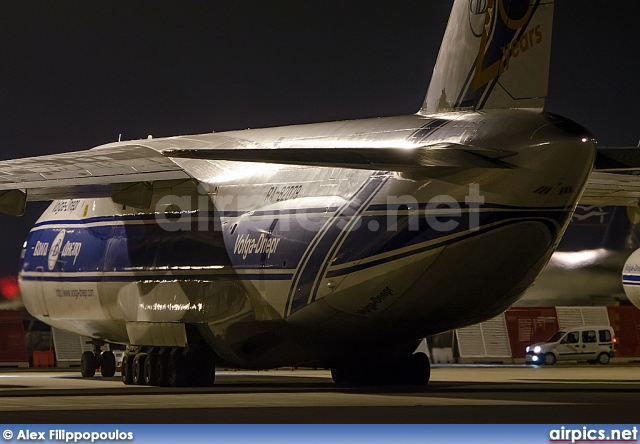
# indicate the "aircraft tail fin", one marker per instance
pixel 594 227
pixel 495 54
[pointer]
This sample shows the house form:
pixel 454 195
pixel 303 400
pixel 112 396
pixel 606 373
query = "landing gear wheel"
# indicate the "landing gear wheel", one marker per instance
pixel 150 371
pixel 549 359
pixel 88 365
pixel 107 364
pixel 203 374
pixel 419 369
pixel 199 366
pixel 340 375
pixel 127 368
pixel 162 368
pixel 176 373
pixel 604 358
pixel 138 368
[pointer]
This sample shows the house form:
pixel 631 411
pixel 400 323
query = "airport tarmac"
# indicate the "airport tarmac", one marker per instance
pixel 456 394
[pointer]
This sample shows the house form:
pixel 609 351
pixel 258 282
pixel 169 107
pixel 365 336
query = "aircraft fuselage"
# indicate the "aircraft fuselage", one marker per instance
pixel 282 265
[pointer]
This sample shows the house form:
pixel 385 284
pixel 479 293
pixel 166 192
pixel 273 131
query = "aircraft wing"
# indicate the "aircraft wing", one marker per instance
pixel 615 179
pixel 97 172
pixel 125 171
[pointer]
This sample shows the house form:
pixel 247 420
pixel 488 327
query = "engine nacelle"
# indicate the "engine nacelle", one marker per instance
pixel 631 278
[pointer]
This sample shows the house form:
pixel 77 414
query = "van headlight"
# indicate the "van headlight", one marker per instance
pixel 528 348
pixel 537 349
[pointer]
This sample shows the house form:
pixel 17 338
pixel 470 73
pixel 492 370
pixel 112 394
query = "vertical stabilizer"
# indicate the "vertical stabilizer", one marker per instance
pixel 495 54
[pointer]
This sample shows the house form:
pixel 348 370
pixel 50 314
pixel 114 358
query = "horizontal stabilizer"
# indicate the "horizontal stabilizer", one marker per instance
pixel 369 158
pixel 605 188
pixel 613 181
pixel 618 159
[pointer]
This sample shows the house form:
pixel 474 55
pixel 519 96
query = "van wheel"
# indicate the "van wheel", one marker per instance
pixel 549 359
pixel 604 358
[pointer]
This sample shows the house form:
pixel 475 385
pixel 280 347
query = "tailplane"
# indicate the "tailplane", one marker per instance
pixel 495 54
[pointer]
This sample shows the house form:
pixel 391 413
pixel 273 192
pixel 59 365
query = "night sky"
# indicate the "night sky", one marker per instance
pixel 75 73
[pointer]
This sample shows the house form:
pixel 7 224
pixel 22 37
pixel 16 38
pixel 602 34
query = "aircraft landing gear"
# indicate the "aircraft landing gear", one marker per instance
pixel 150 369
pixel 127 368
pixel 413 369
pixel 107 362
pixel 169 366
pixel 88 364
pixel 191 366
pixel 92 360
pixel 138 368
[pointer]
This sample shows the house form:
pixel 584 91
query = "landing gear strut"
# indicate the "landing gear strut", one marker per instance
pixel 92 360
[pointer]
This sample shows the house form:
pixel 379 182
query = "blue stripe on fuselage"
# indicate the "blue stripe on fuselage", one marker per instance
pixel 121 246
pixel 434 245
pixel 393 232
pixel 314 260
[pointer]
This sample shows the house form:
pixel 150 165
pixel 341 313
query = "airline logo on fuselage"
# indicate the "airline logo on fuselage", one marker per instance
pixel 58 249
pixel 71 249
pixel 54 251
pixel 631 268
pixel 246 245
pixel 65 206
pixel 41 249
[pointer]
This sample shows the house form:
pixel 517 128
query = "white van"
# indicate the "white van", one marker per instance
pixel 594 344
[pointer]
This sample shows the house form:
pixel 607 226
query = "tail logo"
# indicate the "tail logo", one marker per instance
pixel 477 8
pixel 511 22
pixel 589 212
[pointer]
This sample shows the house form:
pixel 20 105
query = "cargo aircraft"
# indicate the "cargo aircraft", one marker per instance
pixel 336 244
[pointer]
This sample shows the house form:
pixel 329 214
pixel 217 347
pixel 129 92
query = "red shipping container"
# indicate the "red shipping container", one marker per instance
pixel 13 346
pixel 626 325
pixel 528 325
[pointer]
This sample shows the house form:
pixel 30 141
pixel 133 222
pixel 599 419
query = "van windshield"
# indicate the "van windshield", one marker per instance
pixel 556 337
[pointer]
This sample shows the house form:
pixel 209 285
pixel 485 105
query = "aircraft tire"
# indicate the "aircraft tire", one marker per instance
pixel 150 371
pixel 162 368
pixel 107 364
pixel 340 375
pixel 200 367
pixel 177 369
pixel 196 363
pixel 127 368
pixel 88 365
pixel 138 368
pixel 418 370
